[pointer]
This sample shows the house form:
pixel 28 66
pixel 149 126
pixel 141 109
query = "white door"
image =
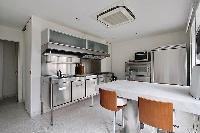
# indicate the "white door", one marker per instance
pixel 9 67
pixel 1 69
pixel 170 66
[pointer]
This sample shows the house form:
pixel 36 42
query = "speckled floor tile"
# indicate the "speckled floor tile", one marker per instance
pixel 76 118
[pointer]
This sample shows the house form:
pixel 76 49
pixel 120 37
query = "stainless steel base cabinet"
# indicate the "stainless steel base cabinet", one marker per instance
pixel 78 89
pixel 61 92
pixel 91 82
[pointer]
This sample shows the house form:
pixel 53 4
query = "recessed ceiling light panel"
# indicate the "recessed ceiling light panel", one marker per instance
pixel 115 16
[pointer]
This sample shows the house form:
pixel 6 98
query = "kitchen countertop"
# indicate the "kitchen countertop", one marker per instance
pixel 77 75
pixel 178 95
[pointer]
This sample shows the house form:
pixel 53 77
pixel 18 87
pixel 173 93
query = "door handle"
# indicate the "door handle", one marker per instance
pixel 140 75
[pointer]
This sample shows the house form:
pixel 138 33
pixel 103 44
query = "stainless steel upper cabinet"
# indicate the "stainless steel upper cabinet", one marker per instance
pixel 57 37
pixel 170 66
pixel 97 46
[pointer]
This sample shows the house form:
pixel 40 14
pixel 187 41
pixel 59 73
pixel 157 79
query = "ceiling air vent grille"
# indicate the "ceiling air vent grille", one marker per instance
pixel 116 16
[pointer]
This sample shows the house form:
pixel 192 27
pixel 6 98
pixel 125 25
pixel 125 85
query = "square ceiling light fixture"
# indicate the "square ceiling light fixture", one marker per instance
pixel 115 16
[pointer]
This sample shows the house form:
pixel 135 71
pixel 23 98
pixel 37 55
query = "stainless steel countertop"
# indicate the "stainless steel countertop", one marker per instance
pixel 71 76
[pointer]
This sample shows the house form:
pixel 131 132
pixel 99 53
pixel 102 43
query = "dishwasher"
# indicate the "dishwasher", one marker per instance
pixel 78 88
pixel 91 82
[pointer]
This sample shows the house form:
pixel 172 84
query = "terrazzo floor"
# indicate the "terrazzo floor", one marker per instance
pixel 76 118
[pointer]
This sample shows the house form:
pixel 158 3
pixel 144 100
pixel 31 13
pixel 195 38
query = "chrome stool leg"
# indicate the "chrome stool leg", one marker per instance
pixel 114 122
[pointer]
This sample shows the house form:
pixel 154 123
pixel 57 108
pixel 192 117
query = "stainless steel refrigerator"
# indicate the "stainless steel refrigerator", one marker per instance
pixel 169 65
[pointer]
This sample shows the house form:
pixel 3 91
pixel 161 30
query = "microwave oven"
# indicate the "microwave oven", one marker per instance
pixel 142 56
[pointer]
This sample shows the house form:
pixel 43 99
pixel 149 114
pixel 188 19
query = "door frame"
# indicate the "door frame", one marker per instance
pixel 19 69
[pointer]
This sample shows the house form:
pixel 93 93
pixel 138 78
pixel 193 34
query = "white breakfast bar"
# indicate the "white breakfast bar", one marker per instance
pixel 178 95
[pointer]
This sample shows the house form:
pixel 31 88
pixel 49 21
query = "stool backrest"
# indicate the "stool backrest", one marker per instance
pixel 155 113
pixel 108 99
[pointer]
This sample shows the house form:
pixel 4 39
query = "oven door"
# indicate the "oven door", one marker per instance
pixel 139 70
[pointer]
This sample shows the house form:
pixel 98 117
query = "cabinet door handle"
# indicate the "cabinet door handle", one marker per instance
pixel 79 85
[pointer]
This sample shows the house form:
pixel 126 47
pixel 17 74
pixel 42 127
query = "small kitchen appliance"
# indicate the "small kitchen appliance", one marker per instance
pixel 142 56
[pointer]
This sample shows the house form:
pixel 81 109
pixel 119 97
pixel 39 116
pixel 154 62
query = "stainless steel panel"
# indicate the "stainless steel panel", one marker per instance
pixel 72 69
pixel 91 66
pixel 48 68
pixel 170 66
pixel 45 94
pixel 65 63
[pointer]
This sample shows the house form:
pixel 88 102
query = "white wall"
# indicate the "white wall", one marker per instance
pixel 1 70
pixel 27 75
pixel 123 51
pixel 37 26
pixel 16 35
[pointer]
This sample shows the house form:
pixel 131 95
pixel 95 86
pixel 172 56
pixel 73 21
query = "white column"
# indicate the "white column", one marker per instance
pixel 131 117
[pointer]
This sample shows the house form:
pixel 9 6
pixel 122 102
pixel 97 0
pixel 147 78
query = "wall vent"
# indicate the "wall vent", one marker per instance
pixel 116 16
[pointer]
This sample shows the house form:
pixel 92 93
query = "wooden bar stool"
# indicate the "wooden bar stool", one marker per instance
pixel 156 114
pixel 110 101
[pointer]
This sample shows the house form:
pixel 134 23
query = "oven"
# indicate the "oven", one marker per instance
pixel 138 71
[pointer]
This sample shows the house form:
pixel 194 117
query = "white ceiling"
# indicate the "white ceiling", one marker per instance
pixel 152 16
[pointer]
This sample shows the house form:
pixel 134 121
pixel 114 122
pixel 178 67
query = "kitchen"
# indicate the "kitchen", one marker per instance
pixel 74 57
